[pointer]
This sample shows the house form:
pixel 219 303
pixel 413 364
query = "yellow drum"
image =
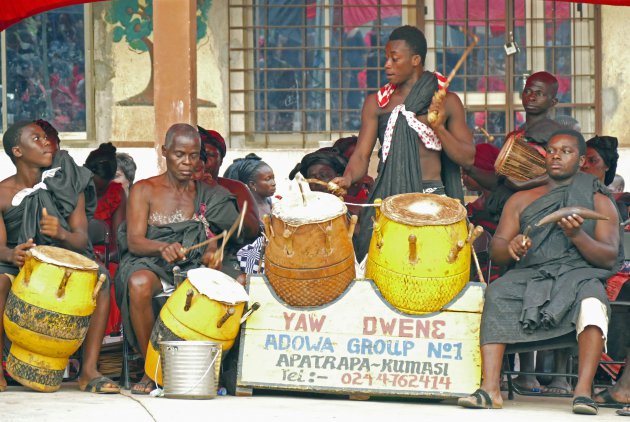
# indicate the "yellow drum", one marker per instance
pixel 207 306
pixel 309 259
pixel 419 255
pixel 47 314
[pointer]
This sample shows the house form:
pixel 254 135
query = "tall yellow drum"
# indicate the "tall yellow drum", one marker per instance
pixel 419 256
pixel 47 314
pixel 207 306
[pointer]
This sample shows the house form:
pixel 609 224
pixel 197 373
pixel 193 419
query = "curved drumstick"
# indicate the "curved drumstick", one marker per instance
pixel 333 188
pixel 489 137
pixel 441 93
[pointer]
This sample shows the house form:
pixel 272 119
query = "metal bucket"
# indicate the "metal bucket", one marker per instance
pixel 190 369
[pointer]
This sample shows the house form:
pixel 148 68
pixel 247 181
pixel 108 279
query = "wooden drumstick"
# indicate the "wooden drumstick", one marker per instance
pixel 184 251
pixel 475 234
pixel 441 93
pixel 489 137
pixel 526 235
pixel 242 219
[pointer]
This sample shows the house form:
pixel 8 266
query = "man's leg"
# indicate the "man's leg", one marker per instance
pixel 590 348
pixel 620 392
pixel 5 287
pixel 491 361
pixel 143 286
pixel 92 346
pixel 528 364
pixel 559 385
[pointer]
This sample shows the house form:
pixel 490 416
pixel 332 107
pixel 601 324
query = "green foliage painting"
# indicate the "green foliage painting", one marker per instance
pixel 132 22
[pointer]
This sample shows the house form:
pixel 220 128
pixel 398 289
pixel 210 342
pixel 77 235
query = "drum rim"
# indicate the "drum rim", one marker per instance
pixel 38 253
pixel 388 210
pixel 297 221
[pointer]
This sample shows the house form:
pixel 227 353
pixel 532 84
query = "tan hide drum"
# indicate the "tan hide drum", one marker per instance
pixel 309 258
pixel 207 306
pixel 519 161
pixel 47 314
pixel 419 256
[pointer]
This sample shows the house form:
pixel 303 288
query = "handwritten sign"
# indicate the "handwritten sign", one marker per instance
pixel 359 343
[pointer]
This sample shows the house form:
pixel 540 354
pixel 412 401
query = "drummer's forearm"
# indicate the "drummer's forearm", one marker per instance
pixel 6 254
pixel 487 180
pixel 145 247
pixel 356 169
pixel 77 241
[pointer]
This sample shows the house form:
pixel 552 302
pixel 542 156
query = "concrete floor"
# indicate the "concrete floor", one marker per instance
pixel 70 405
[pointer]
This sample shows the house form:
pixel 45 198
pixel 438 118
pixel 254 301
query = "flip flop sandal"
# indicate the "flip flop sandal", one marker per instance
pixel 143 391
pixel 97 385
pixel 583 405
pixel 624 412
pixel 608 400
pixel 480 399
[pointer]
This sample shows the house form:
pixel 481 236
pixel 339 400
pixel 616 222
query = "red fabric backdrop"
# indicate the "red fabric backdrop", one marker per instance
pixel 13 11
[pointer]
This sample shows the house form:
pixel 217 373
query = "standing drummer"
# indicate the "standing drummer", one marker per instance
pixel 49 207
pixel 164 214
pixel 415 155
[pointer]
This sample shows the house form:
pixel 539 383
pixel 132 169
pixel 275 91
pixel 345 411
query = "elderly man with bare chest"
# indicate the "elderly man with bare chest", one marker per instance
pixel 166 213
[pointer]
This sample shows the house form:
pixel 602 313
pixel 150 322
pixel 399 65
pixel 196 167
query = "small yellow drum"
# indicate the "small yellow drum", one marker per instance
pixel 309 259
pixel 207 306
pixel 47 314
pixel 419 255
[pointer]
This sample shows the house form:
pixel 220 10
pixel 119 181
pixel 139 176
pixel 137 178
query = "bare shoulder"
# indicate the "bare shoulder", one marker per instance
pixel 605 205
pixel 7 192
pixel 370 105
pixel 521 199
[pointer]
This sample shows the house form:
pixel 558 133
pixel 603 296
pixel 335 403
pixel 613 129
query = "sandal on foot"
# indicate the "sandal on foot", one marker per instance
pixel 607 400
pixel 480 399
pixel 556 391
pixel 624 412
pixel 97 385
pixel 583 405
pixel 140 388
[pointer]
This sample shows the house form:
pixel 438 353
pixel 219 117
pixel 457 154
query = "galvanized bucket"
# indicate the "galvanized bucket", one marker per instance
pixel 190 369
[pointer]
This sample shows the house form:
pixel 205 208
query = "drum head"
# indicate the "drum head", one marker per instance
pixel 63 258
pixel 217 285
pixel 423 209
pixel 318 207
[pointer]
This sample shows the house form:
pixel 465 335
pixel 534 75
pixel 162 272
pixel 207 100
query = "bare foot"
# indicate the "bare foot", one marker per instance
pixel 613 395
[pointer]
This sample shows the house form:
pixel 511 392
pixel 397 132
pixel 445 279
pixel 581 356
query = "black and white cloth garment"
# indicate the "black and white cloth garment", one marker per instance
pixel 250 257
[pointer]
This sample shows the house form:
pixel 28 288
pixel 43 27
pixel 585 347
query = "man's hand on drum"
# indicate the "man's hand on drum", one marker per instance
pixel 210 258
pixel 172 252
pixel 519 246
pixel 19 252
pixel 49 226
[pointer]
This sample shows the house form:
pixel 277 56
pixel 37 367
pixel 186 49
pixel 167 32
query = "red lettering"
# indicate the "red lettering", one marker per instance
pixel 315 323
pixel 301 323
pixel 287 320
pixel 405 328
pixel 369 325
pixel 437 333
pixel 422 329
pixel 388 328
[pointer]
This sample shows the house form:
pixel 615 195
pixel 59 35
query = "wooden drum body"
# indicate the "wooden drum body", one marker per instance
pixel 47 315
pixel 419 257
pixel 207 306
pixel 309 259
pixel 518 160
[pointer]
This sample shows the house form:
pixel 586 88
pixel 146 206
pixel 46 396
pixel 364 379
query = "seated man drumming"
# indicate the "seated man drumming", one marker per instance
pixel 164 214
pixel 555 285
pixel 49 207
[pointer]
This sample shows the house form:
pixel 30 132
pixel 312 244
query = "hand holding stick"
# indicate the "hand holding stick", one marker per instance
pixel 526 235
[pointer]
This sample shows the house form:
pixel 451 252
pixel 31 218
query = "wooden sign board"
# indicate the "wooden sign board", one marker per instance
pixel 360 345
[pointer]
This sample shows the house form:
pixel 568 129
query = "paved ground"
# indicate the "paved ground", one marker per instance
pixel 70 405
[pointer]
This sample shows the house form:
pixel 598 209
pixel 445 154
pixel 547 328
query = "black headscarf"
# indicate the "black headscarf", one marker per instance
pixel 327 156
pixel 244 169
pixel 606 147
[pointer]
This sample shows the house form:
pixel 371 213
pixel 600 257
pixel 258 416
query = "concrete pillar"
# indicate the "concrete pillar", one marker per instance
pixel 174 65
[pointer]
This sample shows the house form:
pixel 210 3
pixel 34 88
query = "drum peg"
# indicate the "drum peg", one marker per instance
pixel 61 291
pixel 189 297
pixel 28 267
pixel 353 223
pixel 413 249
pixel 454 252
pixel 288 242
pixel 377 207
pixel 250 311
pixel 377 233
pixel 228 314
pixel 328 233
pixel 99 284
